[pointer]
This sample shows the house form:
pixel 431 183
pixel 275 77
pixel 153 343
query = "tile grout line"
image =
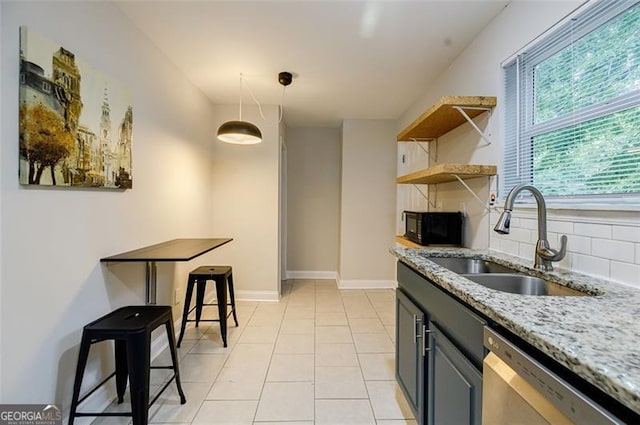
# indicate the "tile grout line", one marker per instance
pixel 302 304
pixel 227 356
pixel 373 413
pixel 275 344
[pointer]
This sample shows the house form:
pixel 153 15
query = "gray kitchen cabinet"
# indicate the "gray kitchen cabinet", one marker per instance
pixel 454 383
pixel 442 380
pixel 410 360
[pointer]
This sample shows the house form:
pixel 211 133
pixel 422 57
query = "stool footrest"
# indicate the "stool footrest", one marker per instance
pixel 209 320
pixel 83 398
pixel 212 305
pixel 103 414
pixel 164 387
pixel 182 400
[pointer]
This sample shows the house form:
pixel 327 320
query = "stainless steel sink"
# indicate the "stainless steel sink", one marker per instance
pixel 522 284
pixel 470 265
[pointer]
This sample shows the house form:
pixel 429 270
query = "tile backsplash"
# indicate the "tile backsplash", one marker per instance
pixel 607 248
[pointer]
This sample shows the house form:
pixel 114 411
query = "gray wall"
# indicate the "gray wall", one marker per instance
pixel 368 203
pixel 313 199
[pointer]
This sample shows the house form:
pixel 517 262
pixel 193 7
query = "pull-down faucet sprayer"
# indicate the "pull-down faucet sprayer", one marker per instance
pixel 545 255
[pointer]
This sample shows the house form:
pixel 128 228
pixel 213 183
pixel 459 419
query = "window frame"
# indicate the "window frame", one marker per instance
pixel 518 135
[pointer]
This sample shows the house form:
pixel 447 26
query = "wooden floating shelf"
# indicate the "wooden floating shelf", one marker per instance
pixel 406 242
pixel 442 173
pixel 442 117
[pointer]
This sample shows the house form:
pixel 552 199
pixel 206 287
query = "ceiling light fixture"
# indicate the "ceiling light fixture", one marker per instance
pixel 239 132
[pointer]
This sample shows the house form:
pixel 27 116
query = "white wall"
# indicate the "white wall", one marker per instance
pixel 246 203
pixel 1 132
pixel 477 71
pixel 368 203
pixel 461 145
pixel 52 283
pixel 282 206
pixel 313 198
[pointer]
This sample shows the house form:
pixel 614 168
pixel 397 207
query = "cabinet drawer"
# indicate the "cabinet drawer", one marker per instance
pixel 460 324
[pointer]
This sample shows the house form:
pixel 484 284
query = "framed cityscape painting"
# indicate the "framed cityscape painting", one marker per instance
pixel 76 123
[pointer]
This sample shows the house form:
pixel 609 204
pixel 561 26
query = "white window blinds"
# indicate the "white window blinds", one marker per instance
pixel 572 102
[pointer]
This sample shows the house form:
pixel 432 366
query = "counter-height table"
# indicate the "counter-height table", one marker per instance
pixel 174 250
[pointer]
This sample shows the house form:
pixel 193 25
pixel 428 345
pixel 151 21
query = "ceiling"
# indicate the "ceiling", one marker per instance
pixel 350 59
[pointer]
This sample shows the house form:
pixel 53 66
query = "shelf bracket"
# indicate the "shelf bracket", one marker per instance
pixel 461 109
pixel 426 197
pixel 432 156
pixel 466 186
pixel 422 139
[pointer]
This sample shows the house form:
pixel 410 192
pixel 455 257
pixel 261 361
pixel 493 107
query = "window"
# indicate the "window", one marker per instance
pixel 572 102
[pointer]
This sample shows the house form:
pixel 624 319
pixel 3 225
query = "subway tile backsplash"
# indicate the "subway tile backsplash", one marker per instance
pixel 610 249
pixel 613 250
pixel 626 233
pixel 593 230
pixel 624 272
pixel 579 244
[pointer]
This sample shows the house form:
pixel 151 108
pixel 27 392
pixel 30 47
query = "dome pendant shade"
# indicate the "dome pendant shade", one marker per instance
pixel 239 133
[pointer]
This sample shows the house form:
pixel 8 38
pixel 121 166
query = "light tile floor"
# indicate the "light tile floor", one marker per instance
pixel 320 356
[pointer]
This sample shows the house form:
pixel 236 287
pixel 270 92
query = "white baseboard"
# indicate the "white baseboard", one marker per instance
pixel 367 284
pixel 310 274
pixel 244 295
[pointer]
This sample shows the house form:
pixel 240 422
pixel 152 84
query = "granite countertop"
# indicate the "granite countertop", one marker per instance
pixel 597 337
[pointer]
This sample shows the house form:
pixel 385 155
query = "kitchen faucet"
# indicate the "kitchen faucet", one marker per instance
pixel 544 253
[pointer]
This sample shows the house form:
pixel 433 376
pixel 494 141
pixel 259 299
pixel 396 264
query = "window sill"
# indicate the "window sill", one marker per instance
pixel 582 206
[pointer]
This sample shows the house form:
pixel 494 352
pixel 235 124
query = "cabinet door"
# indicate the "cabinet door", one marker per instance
pixel 410 360
pixel 455 385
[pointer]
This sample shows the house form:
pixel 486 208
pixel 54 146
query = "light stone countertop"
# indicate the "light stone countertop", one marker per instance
pixel 597 337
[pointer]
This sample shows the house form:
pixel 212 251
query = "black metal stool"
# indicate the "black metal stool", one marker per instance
pixel 221 275
pixel 130 328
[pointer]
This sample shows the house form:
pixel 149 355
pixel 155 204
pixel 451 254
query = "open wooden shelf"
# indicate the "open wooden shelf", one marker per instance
pixel 442 173
pixel 442 117
pixel 406 242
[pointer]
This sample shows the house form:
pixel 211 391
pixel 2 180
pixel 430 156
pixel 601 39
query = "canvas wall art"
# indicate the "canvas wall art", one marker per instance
pixel 76 122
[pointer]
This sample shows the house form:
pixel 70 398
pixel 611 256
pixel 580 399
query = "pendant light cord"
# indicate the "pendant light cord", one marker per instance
pixel 240 97
pixel 255 100
pixel 258 103
pixel 284 88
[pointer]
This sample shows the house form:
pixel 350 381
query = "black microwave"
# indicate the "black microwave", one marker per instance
pixel 434 228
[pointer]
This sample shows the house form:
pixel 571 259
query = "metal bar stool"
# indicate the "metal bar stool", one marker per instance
pixel 223 277
pixel 130 328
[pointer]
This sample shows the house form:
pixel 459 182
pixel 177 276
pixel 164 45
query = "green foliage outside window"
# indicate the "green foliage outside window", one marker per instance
pixel 578 93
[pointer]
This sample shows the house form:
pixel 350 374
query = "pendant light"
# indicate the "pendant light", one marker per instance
pixel 239 132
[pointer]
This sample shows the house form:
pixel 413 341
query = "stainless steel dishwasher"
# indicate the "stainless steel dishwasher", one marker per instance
pixel 517 389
